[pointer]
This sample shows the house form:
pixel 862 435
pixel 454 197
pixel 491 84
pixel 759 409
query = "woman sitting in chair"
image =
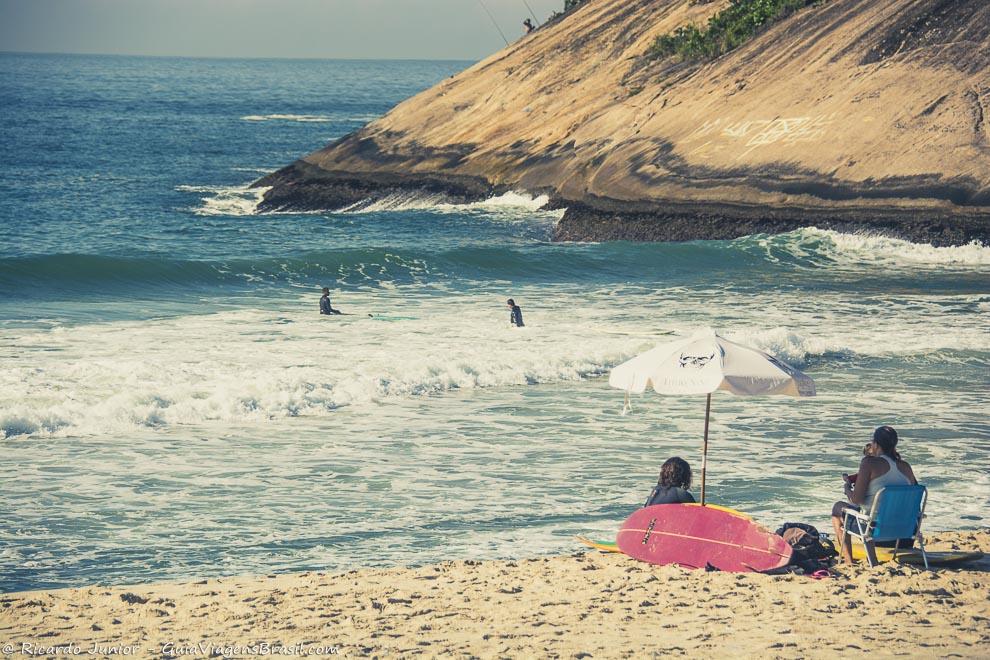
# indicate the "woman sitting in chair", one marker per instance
pixel 881 467
pixel 673 485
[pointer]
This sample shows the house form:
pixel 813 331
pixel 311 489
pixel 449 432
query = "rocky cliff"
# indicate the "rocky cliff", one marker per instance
pixel 848 114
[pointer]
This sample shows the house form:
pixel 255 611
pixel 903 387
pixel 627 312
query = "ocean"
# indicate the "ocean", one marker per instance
pixel 172 406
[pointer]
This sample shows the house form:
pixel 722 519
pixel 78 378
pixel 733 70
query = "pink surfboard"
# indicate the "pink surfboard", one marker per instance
pixel 694 536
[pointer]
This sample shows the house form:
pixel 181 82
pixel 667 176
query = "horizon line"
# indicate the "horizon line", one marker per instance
pixel 243 57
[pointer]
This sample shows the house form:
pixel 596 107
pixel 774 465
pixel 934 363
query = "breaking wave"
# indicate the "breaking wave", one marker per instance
pixel 313 119
pixel 272 366
pixel 821 246
pixel 510 202
pixel 243 200
pixel 399 201
pixel 811 249
pixel 276 365
pixel 227 200
pixel 306 119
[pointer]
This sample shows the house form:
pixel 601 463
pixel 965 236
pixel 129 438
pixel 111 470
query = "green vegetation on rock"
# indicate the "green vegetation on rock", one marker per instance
pixel 726 30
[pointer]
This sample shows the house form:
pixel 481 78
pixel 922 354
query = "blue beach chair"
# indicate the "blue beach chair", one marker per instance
pixel 895 515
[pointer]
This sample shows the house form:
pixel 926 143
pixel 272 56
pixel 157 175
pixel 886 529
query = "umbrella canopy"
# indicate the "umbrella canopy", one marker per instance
pixel 705 363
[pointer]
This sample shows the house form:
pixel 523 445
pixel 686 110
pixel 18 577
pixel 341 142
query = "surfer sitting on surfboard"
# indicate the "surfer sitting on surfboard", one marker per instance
pixel 673 485
pixel 325 307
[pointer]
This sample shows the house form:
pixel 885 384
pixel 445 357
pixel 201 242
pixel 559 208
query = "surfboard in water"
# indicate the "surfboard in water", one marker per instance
pixel 697 536
pixel 390 317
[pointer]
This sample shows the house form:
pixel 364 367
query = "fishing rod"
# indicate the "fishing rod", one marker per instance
pixel 494 22
pixel 532 13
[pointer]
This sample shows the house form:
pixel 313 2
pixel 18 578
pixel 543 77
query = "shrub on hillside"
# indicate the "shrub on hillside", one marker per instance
pixel 726 30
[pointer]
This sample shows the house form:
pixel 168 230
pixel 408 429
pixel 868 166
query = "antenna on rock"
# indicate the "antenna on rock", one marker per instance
pixel 493 22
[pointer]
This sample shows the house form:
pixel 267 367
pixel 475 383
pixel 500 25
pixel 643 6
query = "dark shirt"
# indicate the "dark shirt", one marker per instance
pixel 515 316
pixel 325 307
pixel 672 495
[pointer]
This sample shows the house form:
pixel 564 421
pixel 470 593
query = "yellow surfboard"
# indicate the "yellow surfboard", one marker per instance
pixel 913 556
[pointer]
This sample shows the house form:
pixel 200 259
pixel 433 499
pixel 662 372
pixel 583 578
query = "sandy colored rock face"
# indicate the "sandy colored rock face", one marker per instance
pixel 850 107
pixel 584 605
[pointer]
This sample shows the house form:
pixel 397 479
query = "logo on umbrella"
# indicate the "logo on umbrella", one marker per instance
pixel 695 361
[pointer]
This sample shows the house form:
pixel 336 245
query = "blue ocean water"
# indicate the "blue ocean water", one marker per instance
pixel 171 405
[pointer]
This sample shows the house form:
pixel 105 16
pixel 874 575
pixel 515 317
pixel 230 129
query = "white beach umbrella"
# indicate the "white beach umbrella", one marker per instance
pixel 705 363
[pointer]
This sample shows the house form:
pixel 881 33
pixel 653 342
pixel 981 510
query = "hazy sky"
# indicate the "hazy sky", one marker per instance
pixel 427 29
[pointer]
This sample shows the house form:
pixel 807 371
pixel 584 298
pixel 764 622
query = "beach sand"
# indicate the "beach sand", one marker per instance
pixel 583 605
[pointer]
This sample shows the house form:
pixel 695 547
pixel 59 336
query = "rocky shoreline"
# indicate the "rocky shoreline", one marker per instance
pixel 306 188
pixel 681 222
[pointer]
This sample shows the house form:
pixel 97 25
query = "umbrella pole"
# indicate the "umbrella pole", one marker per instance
pixel 704 453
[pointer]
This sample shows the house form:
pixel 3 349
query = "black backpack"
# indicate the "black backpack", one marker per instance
pixel 812 552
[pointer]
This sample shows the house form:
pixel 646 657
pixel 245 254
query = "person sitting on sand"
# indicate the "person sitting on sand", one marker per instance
pixel 528 24
pixel 881 466
pixel 515 314
pixel 673 485
pixel 325 307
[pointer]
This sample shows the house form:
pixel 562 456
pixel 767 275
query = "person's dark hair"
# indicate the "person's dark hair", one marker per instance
pixel 675 472
pixel 886 439
pixel 510 301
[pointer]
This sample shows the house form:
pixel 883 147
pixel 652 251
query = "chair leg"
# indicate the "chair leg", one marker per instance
pixel 897 546
pixel 871 552
pixel 924 555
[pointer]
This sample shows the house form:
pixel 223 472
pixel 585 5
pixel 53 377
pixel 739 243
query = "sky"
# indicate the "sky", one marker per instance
pixel 353 29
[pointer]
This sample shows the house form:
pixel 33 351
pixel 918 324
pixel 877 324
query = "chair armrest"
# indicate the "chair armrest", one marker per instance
pixel 856 514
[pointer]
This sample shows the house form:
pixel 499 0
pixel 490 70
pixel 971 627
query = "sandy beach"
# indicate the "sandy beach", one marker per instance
pixel 577 606
pixel 327 327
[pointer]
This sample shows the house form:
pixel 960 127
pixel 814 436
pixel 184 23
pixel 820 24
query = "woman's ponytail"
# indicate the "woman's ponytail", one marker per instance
pixel 886 439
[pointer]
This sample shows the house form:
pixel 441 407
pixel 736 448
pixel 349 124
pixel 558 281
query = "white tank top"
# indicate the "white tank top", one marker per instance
pixel 892 477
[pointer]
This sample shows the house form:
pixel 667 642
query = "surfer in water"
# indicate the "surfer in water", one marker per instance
pixel 515 314
pixel 325 307
pixel 673 485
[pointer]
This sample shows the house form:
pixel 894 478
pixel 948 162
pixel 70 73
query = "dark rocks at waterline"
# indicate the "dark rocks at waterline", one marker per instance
pixel 304 187
pixel 672 222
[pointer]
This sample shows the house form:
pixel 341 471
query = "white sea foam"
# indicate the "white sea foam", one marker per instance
pixel 227 200
pixel 398 201
pixel 513 200
pixel 243 200
pixel 306 119
pixel 255 170
pixel 511 204
pixel 796 348
pixel 108 378
pixel 365 118
pixel 895 252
